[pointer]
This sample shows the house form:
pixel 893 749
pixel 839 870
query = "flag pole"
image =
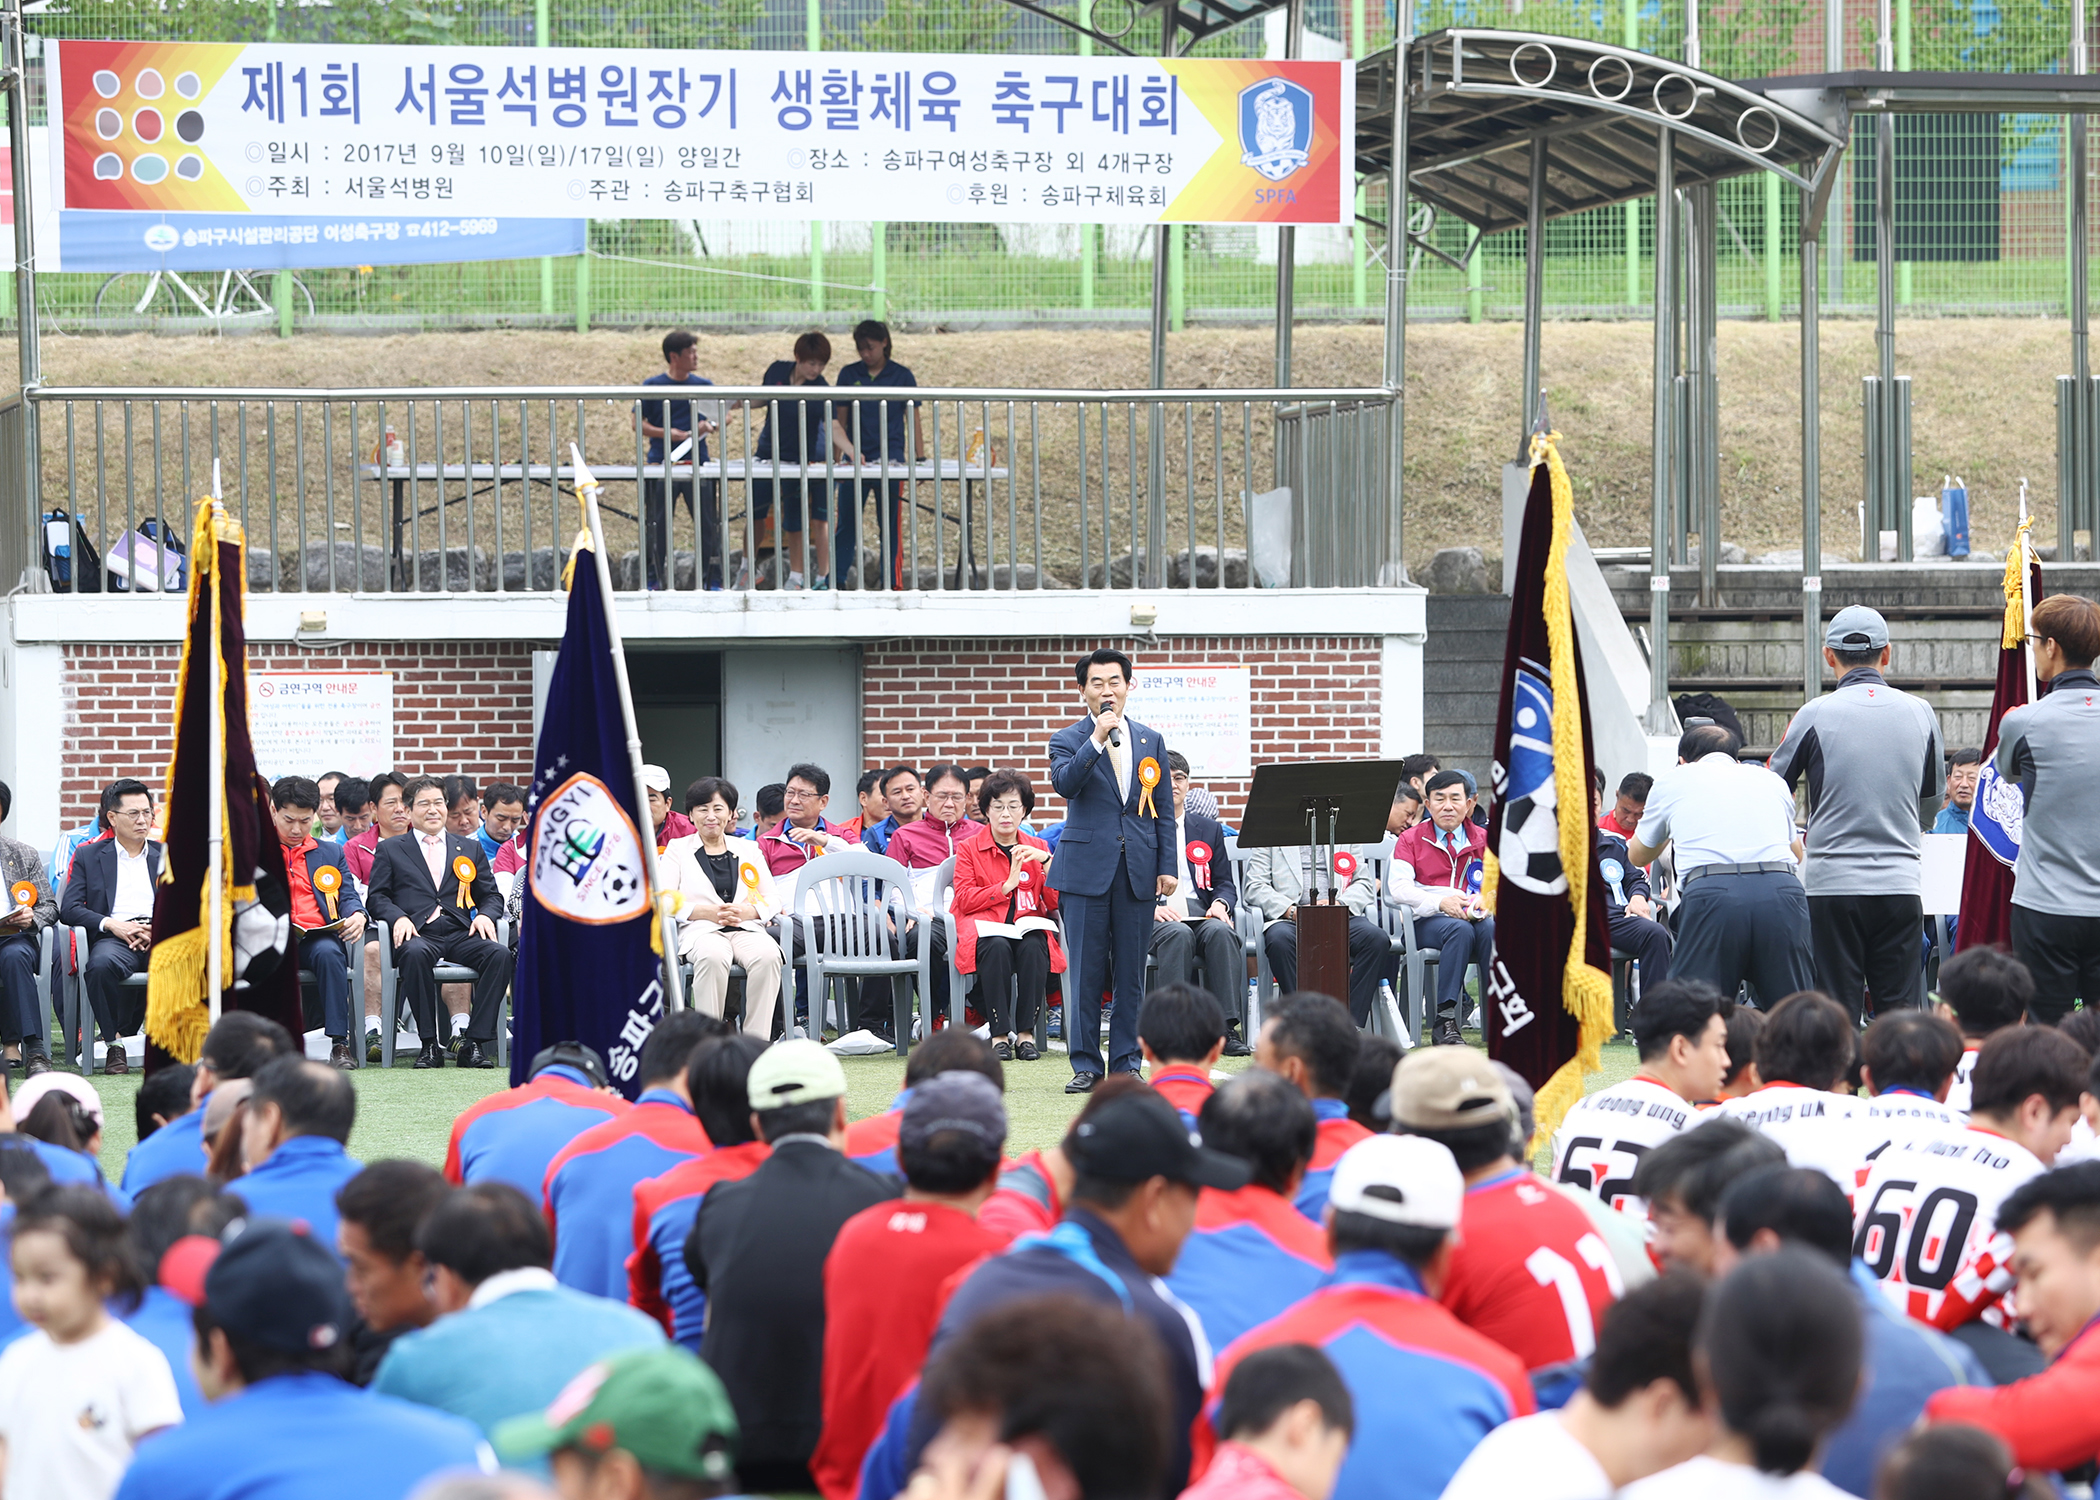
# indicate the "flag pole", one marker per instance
pixel 2027 598
pixel 215 816
pixel 587 491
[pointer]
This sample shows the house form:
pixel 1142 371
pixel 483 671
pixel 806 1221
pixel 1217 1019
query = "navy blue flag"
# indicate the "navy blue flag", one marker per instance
pixel 586 970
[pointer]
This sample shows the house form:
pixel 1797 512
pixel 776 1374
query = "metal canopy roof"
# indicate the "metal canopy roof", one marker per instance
pixel 1478 99
pixel 1939 93
pixel 1187 22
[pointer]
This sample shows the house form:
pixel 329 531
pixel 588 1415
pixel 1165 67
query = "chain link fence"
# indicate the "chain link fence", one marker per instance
pixel 1983 231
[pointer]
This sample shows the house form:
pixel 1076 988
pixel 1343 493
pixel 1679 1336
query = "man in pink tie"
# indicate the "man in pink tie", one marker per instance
pixel 434 891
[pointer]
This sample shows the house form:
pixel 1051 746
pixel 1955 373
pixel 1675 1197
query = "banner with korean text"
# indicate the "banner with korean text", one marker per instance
pixel 472 132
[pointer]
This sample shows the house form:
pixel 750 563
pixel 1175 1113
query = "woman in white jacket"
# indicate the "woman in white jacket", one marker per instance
pixel 728 897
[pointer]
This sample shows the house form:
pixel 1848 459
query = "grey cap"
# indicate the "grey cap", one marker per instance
pixel 957 1100
pixel 1856 628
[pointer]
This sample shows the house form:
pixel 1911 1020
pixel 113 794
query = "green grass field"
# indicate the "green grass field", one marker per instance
pixel 401 1112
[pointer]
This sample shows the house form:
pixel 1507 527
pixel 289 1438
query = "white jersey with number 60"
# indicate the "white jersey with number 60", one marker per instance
pixel 1602 1139
pixel 1925 1222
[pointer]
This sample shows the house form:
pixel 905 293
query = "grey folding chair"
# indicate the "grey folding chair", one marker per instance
pixel 446 972
pixel 846 911
pixel 943 883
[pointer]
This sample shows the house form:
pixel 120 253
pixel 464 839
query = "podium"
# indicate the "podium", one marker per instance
pixel 1320 805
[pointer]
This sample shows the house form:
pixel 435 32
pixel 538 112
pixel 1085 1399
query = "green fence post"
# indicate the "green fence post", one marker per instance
pixel 816 265
pixel 879 266
pixel 542 24
pixel 1086 231
pixel 583 293
pixel 1359 290
pixel 1177 273
pixel 1476 302
pixel 1632 42
pixel 1772 241
pixel 1903 267
pixel 281 295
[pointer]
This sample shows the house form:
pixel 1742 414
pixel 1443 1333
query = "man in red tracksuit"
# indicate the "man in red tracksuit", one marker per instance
pixel 2050 1420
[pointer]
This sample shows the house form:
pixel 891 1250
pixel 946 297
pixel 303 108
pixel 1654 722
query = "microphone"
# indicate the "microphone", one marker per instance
pixel 1115 736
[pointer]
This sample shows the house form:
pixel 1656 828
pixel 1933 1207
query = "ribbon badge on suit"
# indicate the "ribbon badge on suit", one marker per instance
pixel 24 893
pixel 747 872
pixel 463 871
pixel 1148 778
pixel 328 880
pixel 1199 863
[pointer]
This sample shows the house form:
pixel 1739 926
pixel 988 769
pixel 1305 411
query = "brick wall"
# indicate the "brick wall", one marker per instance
pixel 457 707
pixel 997 702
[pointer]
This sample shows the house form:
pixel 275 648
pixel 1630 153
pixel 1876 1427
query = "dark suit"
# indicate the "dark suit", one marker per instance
pixel 401 887
pixel 1106 872
pixel 756 1248
pixel 1175 945
pixel 91 892
pixel 326 957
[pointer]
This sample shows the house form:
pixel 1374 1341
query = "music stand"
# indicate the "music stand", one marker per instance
pixel 1318 805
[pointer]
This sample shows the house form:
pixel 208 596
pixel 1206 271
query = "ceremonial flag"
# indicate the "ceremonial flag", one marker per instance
pixel 1549 1002
pixel 1996 813
pixel 258 960
pixel 588 970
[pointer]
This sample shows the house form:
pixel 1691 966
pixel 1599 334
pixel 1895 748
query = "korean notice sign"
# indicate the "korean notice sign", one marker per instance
pixel 471 132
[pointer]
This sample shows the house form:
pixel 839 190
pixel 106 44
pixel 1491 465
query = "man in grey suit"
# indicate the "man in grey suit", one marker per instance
pixel 1276 881
pixel 21 1008
pixel 1115 861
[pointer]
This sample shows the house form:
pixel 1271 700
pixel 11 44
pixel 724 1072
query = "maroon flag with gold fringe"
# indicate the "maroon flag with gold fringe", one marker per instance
pixel 259 959
pixel 1548 1004
pixel 1996 813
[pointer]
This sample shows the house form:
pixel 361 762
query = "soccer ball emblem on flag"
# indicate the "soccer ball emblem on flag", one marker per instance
pixel 1529 850
pixel 587 857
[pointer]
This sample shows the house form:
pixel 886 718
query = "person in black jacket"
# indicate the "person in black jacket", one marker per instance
pixel 109 893
pixel 417 890
pixel 1197 918
pixel 757 1248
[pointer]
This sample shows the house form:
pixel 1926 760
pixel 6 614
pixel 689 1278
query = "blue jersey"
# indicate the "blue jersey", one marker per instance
pixel 589 1196
pixel 176 1149
pixel 1250 1256
pixel 514 1136
pixel 164 1318
pixel 304 1437
pixel 299 1182
pixel 658 1280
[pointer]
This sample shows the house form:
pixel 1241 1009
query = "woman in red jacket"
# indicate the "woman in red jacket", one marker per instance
pixel 1002 913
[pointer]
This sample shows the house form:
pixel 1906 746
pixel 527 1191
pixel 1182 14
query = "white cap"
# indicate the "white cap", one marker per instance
pixel 58 1082
pixel 1401 1179
pixel 656 778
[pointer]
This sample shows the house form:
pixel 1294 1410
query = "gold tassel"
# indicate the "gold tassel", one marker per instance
pixel 2015 614
pixel 176 1020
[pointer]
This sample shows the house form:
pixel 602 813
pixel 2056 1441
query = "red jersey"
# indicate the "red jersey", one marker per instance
pixel 882 1298
pixel 1185 1086
pixel 2050 1420
pixel 1026 1200
pixel 1530 1271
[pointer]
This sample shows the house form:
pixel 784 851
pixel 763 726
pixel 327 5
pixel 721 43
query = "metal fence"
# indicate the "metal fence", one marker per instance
pixel 1999 184
pixel 471 491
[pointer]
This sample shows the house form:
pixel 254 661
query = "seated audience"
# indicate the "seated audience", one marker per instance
pixel 1745 1026
pixel 322 897
pixel 1957 1463
pixel 22 1025
pixel 328 823
pixel 1905 1361
pixel 239 1043
pixel 109 894
pixel 1427 1388
pixel 803 835
pixel 1807 1048
pixel 1181 1035
pixel 390 1282
pixel 883 1279
pixel 434 911
pixel 1407 809
pixel 2050 1419
pixel 166 1212
pixel 1682 1181
pixel 163 1097
pixel 1680 1029
pixel 769 810
pixel 462 805
pixel 1286 1420
pixel 931 841
pixel 293 1130
pixel 1963 767
pixel 1982 991
pixel 508 1336
pixel 1252 1254
pixel 1512 1224
pixel 1308 1039
pixel 353 809
pixel 1277 882
pixel 1629 910
pixel 272 1320
pixel 515 1135
pixel 1195 924
pixel 868 791
pixel 757 1250
pixel 502 821
pixel 658 1282
pixel 1003 906
pixel 1907 1061
pixel 1637 1412
pixel 1778 1355
pixel 667 821
pixel 650 1424
pixel 1370 1081
pixel 873 1142
pixel 901 794
pixel 1631 802
pixel 1435 876
pixel 588 1193
pixel 389 820
pixel 728 898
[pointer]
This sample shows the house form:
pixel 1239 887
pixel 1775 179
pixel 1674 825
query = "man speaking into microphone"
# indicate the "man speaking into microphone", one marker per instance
pixel 1115 860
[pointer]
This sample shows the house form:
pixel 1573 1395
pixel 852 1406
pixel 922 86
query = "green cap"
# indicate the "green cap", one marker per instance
pixel 661 1405
pixel 795 1070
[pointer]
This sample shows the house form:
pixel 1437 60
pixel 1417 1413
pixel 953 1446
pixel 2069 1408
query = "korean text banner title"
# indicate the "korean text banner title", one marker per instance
pixel 605 133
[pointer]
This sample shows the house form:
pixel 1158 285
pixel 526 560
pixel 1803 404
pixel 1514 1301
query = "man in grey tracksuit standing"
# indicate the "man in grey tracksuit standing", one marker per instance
pixel 1873 762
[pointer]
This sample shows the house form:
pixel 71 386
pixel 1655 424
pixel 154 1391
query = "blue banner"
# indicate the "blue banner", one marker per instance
pixel 586 972
pixel 115 241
